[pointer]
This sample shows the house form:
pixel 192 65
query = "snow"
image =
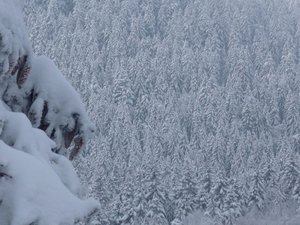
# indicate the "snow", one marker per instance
pixel 37 186
pixel 50 84
pixel 44 185
pixel 65 113
pixel 35 193
pixel 63 101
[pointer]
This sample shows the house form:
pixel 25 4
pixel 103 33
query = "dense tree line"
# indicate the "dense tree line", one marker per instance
pixel 196 102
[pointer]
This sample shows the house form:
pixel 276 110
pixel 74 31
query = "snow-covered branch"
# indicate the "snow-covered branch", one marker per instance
pixel 37 185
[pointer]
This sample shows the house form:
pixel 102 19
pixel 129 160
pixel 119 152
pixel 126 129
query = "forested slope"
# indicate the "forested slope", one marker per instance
pixel 196 102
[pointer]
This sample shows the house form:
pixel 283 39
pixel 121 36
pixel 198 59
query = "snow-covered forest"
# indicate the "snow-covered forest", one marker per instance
pixel 196 104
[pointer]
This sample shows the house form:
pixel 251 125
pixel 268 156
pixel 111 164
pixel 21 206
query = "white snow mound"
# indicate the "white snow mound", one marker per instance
pixel 34 193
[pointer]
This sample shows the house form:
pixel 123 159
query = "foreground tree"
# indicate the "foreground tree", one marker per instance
pixel 37 185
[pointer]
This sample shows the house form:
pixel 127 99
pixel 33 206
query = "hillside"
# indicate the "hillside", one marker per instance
pixel 196 103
